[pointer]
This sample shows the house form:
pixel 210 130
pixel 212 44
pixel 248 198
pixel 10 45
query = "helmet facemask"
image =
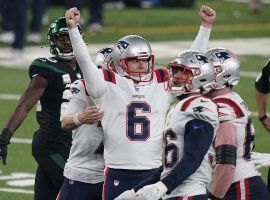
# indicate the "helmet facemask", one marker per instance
pixel 189 73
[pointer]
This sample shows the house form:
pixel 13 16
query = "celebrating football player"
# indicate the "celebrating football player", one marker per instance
pixel 134 101
pixel 234 176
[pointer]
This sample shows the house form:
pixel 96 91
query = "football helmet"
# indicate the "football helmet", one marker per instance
pixel 190 72
pixel 227 67
pixel 59 46
pixel 103 59
pixel 133 47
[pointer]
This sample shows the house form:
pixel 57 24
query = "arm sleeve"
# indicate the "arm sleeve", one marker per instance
pixel 201 41
pixel 198 138
pixel 155 177
pixel 92 75
pixel 262 83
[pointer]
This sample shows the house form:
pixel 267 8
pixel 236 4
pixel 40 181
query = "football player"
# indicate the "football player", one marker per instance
pixel 50 89
pixel 135 104
pixel 234 176
pixel 84 170
pixel 191 126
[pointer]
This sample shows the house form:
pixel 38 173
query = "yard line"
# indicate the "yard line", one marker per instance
pixel 21 191
pixel 10 96
pixel 21 140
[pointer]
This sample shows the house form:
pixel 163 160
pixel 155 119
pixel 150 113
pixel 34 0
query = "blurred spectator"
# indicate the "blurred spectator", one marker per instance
pixel 38 8
pixel 7 35
pixel 19 10
pixel 95 8
pixel 255 6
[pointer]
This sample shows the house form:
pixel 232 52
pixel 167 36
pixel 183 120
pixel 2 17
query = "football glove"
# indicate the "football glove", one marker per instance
pixel 127 195
pixel 4 141
pixel 260 159
pixel 152 192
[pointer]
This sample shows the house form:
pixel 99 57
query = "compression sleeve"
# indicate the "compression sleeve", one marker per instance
pixel 92 75
pixel 197 140
pixel 201 41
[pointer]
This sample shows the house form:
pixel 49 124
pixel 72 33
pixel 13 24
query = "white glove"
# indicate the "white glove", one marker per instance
pixel 152 192
pixel 260 159
pixel 260 156
pixel 127 195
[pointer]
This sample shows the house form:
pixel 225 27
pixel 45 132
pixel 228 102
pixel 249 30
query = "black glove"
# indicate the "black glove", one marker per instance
pixel 4 141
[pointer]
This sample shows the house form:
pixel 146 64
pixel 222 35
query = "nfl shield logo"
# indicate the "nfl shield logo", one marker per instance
pixel 116 183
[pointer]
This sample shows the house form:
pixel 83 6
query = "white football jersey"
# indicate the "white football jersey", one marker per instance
pixel 232 108
pixel 194 107
pixel 133 122
pixel 85 162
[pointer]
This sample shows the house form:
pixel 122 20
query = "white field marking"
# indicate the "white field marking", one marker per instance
pixel 21 140
pixel 10 96
pixel 17 175
pixel 12 190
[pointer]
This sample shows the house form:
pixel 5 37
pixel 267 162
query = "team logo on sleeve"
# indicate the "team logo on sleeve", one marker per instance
pixel 74 90
pixel 200 109
pixel 122 45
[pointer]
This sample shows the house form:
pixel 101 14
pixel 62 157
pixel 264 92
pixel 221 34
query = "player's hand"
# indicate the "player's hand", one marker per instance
pixel 91 115
pixel 72 16
pixel 208 16
pixel 4 141
pixel 152 192
pixel 127 195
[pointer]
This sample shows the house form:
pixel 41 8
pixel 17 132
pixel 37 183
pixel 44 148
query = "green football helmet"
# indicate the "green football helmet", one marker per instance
pixel 59 46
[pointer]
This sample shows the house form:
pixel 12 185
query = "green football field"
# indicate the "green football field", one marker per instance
pixel 159 24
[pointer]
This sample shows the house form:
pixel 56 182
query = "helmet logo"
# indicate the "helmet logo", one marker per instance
pixel 122 45
pixel 106 52
pixel 222 56
pixel 201 58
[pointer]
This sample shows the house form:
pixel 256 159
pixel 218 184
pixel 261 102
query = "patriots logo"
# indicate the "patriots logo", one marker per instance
pixel 106 51
pixel 200 109
pixel 222 56
pixel 201 58
pixel 122 45
pixel 74 90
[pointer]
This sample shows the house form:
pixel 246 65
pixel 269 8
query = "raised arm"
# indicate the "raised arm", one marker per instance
pixel 208 16
pixel 92 75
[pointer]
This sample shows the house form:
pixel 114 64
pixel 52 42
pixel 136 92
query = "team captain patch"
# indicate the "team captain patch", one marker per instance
pixel 66 78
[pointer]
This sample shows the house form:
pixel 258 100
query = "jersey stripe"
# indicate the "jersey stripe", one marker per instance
pixel 162 75
pixel 86 92
pixel 187 103
pixel 237 110
pixel 109 76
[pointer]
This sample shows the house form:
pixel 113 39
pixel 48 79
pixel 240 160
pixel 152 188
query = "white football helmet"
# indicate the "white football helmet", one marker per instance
pixel 103 59
pixel 227 67
pixel 133 47
pixel 190 72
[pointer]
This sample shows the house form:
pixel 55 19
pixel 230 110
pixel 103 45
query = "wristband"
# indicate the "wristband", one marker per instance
pixel 262 118
pixel 76 120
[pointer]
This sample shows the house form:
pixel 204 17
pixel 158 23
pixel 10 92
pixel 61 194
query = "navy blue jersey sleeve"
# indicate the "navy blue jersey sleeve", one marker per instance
pixel 262 83
pixel 197 140
pixel 155 177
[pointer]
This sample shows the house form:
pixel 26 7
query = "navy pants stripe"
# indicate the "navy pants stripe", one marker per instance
pixel 252 188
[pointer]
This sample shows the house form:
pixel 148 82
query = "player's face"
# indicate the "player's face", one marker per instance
pixel 181 76
pixel 138 65
pixel 63 43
